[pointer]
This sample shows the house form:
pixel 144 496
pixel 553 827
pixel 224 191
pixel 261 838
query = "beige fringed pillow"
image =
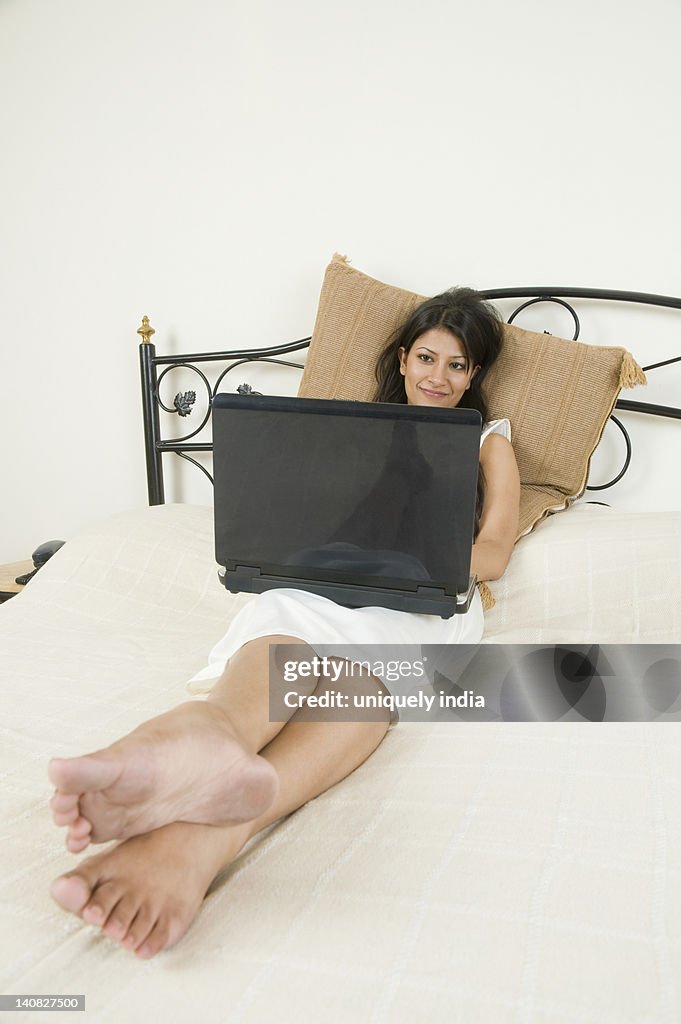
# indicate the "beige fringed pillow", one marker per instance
pixel 557 394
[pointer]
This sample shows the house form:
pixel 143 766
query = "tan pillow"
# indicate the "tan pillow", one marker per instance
pixel 557 394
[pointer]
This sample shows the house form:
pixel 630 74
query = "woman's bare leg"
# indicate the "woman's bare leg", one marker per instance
pixel 198 762
pixel 146 891
pixel 195 763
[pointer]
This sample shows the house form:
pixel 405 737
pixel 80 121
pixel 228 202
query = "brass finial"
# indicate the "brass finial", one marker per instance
pixel 146 330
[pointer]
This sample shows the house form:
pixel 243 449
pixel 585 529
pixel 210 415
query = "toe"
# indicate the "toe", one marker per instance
pixel 80 827
pixel 168 930
pixel 62 803
pixel 102 902
pixel 140 926
pixel 114 928
pixel 83 774
pixel 76 844
pixel 157 939
pixel 65 817
pixel 121 917
pixel 71 892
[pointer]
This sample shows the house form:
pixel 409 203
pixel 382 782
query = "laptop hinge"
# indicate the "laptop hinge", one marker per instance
pixel 464 598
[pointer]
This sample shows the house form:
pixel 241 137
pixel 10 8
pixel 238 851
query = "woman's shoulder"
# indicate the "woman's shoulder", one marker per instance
pixel 501 426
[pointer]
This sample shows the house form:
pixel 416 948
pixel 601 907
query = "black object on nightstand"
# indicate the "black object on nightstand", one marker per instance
pixel 41 555
pixel 11 584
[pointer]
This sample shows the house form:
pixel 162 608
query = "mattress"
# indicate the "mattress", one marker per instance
pixel 467 872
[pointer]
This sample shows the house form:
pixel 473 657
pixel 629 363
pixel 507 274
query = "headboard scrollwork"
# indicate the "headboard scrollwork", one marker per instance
pixel 183 402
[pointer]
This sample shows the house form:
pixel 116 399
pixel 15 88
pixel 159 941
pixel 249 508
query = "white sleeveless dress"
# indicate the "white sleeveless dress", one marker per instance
pixel 329 628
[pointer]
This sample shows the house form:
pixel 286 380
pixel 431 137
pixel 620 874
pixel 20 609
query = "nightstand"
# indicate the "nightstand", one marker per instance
pixel 8 572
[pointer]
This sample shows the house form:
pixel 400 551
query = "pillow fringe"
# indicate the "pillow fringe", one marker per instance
pixel 486 596
pixel 631 373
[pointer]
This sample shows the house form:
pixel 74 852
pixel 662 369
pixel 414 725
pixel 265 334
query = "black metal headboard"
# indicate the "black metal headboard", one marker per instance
pixel 153 369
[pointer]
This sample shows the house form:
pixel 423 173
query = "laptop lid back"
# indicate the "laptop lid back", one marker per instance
pixel 374 498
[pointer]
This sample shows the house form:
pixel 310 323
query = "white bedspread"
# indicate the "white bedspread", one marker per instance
pixel 468 872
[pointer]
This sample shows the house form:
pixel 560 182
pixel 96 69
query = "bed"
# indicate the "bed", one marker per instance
pixel 470 871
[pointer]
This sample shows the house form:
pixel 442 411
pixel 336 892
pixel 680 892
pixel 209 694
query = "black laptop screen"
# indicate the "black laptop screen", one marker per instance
pixel 345 491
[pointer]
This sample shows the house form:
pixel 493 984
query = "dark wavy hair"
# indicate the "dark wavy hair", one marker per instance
pixel 464 313
pixel 475 323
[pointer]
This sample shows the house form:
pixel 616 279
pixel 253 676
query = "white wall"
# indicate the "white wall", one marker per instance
pixel 199 162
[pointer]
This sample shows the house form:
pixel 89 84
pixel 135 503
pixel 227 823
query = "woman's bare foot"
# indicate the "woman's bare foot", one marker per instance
pixel 145 892
pixel 185 765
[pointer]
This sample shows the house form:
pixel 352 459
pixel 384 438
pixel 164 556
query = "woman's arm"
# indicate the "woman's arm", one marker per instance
pixel 499 520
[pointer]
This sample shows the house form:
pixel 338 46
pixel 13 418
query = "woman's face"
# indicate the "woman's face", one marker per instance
pixel 436 369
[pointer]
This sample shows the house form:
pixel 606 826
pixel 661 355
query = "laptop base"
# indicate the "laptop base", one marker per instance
pixel 246 579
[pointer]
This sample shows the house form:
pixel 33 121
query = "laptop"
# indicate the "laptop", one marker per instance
pixel 364 503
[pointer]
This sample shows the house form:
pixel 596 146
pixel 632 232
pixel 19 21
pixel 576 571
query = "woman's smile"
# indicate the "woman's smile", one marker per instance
pixel 432 394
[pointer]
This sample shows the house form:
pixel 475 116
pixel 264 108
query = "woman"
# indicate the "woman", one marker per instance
pixel 185 791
